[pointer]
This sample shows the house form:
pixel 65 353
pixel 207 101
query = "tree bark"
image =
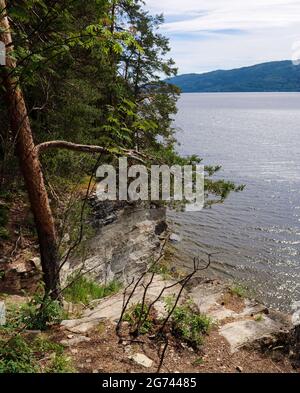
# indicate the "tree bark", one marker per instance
pixel 30 164
pixel 90 149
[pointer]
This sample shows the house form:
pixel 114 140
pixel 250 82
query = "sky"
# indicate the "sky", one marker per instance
pixel 206 35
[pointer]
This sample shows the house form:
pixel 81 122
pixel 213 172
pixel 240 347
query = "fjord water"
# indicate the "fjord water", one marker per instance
pixel 256 139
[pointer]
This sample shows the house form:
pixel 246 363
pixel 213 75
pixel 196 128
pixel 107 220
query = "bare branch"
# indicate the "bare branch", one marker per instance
pixel 91 149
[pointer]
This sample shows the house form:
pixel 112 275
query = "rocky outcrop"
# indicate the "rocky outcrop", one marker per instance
pixel 128 237
pixel 111 308
pixel 19 276
pixel 248 324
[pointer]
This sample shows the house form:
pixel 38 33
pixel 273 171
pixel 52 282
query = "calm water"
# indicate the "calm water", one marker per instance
pixel 256 138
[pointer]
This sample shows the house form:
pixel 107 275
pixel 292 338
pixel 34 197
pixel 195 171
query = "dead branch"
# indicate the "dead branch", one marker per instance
pixel 119 324
pixel 91 149
pixel 161 333
pixel 163 354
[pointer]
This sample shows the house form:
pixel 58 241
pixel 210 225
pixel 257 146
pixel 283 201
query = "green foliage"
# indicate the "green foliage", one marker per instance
pixel 238 290
pixel 163 269
pixel 3 214
pixel 84 290
pixel 43 345
pixel 259 318
pixel 198 362
pixel 16 356
pixel 96 71
pixel 60 365
pixel 38 314
pixel 19 355
pixel 187 324
pixel 138 313
pixel 4 233
pixel 77 224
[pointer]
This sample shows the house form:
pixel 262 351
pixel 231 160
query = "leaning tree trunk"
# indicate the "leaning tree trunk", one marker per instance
pixel 30 164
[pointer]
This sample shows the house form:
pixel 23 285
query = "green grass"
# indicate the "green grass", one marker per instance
pixel 238 290
pixel 84 290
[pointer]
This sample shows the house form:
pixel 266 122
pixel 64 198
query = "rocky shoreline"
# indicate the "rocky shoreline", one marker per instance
pixel 127 237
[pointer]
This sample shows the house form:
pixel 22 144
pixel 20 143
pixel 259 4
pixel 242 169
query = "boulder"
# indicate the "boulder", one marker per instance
pixel 141 360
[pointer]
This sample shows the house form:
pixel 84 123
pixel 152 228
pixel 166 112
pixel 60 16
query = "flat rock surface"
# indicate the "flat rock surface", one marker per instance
pixel 111 308
pixel 240 321
pixel 243 332
pixel 246 324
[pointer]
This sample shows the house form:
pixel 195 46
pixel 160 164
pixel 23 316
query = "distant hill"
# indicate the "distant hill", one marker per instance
pixel 277 76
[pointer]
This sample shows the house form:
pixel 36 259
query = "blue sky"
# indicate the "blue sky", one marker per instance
pixel 207 35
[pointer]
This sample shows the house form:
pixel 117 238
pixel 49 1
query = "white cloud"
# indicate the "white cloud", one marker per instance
pixel 267 29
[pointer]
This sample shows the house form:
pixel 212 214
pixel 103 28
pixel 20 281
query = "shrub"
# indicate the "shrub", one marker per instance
pixel 84 290
pixel 187 324
pixel 16 356
pixel 38 314
pixel 135 314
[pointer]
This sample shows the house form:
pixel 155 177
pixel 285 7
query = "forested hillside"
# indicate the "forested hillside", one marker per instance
pixel 277 76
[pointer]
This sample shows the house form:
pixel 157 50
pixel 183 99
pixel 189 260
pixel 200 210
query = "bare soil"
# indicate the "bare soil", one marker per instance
pixel 105 354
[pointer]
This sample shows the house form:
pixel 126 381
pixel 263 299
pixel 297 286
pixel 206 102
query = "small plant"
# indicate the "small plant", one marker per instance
pixel 187 324
pixel 238 290
pixel 37 314
pixel 60 365
pixel 42 345
pixel 198 362
pixel 4 233
pixel 161 269
pixel 136 314
pixel 16 356
pixel 259 318
pixel 84 290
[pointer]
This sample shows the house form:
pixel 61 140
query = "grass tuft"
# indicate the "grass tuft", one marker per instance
pixel 84 290
pixel 238 290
